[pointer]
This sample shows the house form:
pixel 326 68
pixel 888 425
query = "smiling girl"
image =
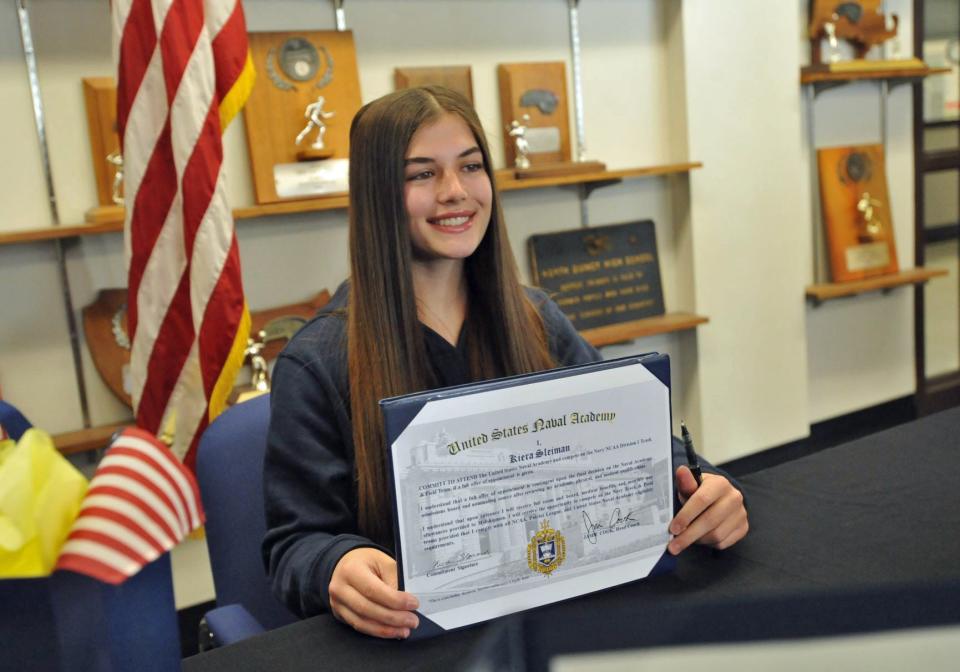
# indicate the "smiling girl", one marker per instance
pixel 433 300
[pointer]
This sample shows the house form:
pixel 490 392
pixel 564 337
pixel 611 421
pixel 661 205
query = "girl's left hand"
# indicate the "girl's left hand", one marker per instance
pixel 712 514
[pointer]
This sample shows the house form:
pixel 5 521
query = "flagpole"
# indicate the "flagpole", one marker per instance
pixel 30 57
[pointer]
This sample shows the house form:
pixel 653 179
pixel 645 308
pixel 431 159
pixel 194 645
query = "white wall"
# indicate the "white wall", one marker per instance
pixel 664 82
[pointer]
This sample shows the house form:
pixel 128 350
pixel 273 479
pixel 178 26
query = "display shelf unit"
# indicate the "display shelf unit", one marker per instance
pixel 109 218
pixel 818 78
pixel 826 291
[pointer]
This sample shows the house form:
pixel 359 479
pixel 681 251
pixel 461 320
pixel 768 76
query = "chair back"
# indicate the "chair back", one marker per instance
pixel 230 475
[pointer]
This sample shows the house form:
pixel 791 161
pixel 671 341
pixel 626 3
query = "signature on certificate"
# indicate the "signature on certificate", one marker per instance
pixel 456 559
pixel 616 521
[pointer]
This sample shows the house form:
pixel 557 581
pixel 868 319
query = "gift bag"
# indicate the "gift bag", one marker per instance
pixel 71 623
pixel 66 621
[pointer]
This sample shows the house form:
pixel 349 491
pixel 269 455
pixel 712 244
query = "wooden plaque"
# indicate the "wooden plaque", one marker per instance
pixel 105 330
pixel 100 96
pixel 602 275
pixel 856 212
pixel 538 90
pixel 293 70
pixel 456 77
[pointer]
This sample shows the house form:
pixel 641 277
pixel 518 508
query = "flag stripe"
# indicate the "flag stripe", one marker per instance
pixel 101 533
pixel 121 489
pixel 84 563
pixel 120 507
pixel 121 519
pixel 102 553
pixel 134 467
pixel 136 48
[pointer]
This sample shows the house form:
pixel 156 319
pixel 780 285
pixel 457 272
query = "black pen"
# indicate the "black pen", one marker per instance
pixel 692 461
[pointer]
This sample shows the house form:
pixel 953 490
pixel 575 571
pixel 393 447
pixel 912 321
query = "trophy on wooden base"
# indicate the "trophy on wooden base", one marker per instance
pixel 298 115
pixel 533 108
pixel 105 332
pixel 100 98
pixel 856 212
pixel 860 22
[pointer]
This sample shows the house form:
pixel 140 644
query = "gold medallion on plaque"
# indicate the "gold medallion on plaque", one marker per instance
pixel 547 549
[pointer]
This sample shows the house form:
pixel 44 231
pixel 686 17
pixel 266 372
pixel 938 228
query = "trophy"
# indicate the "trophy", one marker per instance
pixel 115 159
pixel 316 120
pixel 862 23
pixel 518 131
pixel 100 98
pixel 105 333
pixel 297 118
pixel 853 192
pixel 533 107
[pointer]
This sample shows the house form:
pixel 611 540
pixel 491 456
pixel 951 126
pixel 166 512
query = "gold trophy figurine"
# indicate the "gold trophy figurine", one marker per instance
pixel 518 131
pixel 871 224
pixel 115 159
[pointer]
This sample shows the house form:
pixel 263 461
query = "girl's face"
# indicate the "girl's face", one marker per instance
pixel 447 192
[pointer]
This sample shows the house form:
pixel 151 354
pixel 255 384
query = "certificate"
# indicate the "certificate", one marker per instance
pixel 519 492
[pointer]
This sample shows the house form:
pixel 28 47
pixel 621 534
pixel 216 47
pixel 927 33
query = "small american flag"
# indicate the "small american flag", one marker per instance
pixel 141 503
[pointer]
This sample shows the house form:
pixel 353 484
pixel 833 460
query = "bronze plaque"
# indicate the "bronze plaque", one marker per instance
pixel 602 275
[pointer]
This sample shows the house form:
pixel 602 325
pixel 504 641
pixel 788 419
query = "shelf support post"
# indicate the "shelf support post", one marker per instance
pixel 340 15
pixel 30 59
pixel 573 15
pixel 818 242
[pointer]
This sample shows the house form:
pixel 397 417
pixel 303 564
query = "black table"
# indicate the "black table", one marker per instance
pixel 859 538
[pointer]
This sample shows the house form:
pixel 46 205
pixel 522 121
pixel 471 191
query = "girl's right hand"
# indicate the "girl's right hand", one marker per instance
pixel 364 595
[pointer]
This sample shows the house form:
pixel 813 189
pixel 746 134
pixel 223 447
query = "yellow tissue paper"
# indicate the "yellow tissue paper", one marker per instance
pixel 40 496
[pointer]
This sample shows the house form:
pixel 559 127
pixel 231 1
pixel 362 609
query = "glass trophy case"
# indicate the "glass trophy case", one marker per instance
pixel 937 147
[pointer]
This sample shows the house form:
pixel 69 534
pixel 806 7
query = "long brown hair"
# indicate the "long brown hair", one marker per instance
pixel 386 352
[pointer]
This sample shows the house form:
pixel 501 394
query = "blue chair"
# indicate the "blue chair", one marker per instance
pixel 230 475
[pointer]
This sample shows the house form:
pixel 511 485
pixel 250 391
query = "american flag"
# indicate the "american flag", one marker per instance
pixel 184 70
pixel 141 502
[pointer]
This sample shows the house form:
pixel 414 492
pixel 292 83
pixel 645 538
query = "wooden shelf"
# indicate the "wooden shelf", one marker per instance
pixel 819 75
pixel 914 276
pixel 109 218
pixel 507 182
pixel 85 439
pixel 628 331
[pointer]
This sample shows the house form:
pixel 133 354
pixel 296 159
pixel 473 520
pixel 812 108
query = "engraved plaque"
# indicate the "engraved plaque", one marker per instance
pixel 601 275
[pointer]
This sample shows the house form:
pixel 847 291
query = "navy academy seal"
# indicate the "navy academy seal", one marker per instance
pixel 547 549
